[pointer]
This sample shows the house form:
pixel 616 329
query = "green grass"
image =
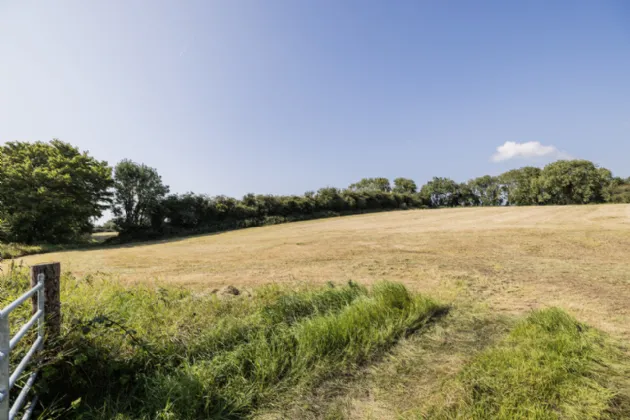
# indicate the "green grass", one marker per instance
pixel 150 352
pixel 153 352
pixel 293 356
pixel 15 250
pixel 549 367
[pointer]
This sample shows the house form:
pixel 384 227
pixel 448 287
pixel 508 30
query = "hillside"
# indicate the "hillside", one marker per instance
pixel 514 258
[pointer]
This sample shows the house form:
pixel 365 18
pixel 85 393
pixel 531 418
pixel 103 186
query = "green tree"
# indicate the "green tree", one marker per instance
pixel 465 196
pixel 441 192
pixel 570 182
pixel 487 190
pixel 620 191
pixel 404 186
pixel 608 183
pixel 138 192
pixel 371 185
pixel 50 192
pixel 520 187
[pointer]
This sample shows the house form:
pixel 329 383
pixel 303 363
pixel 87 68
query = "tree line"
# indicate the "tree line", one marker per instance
pixel 52 192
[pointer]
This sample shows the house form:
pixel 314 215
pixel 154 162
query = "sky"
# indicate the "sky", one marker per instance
pixel 285 96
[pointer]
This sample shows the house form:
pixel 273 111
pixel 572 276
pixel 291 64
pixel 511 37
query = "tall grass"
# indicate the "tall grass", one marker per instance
pixel 549 367
pixel 149 352
pixel 291 356
pixel 163 352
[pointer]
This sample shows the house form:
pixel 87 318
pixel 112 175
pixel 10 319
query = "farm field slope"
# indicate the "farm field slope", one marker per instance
pixel 512 259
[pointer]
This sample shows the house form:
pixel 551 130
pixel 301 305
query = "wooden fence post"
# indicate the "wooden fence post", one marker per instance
pixel 52 305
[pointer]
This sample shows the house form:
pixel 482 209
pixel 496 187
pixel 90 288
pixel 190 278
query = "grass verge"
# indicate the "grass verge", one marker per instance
pixel 155 352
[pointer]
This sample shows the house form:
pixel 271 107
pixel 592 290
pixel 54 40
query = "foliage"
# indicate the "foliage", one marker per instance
pixel 187 355
pixel 549 367
pixel 487 190
pixel 441 192
pixel 371 184
pixel 404 186
pixel 110 226
pixel 562 182
pixel 139 190
pixel 50 192
pixel 520 186
pixel 619 191
pixel 572 182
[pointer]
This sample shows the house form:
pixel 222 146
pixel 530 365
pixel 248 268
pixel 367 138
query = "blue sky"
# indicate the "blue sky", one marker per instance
pixel 236 96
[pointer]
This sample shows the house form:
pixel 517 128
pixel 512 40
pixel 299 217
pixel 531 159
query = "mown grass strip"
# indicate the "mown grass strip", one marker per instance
pixel 549 367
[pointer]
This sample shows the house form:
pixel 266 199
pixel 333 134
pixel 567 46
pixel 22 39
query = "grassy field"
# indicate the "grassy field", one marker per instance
pixel 513 259
pixel 490 266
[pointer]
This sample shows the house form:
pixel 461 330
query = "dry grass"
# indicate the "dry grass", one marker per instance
pixel 514 259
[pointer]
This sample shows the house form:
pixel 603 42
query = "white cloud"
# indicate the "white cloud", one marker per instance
pixel 528 150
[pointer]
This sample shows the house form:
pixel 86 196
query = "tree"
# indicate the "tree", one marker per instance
pixel 620 191
pixel 608 183
pixel 371 185
pixel 570 182
pixel 487 190
pixel 520 187
pixel 50 192
pixel 465 196
pixel 404 186
pixel 138 191
pixel 441 192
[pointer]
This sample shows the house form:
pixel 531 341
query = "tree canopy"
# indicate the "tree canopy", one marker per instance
pixel 138 192
pixel 371 184
pixel 571 182
pixel 404 186
pixel 441 192
pixel 520 186
pixel 50 192
pixel 487 190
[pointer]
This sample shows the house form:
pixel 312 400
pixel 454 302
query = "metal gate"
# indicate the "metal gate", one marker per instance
pixel 8 377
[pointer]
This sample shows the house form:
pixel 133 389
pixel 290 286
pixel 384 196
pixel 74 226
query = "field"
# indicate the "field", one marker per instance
pixel 490 266
pixel 513 259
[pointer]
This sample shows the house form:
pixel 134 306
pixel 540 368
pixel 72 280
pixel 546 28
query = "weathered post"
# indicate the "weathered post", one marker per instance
pixel 52 299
